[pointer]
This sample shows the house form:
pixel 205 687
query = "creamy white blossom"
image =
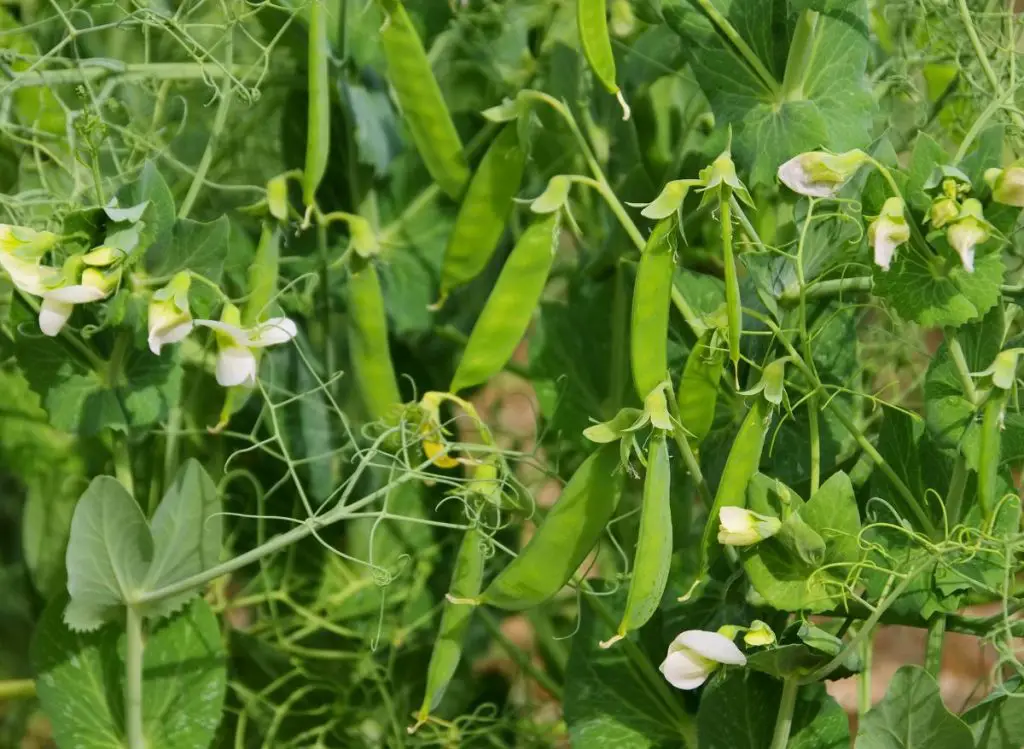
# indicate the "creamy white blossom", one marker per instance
pixel 695 654
pixel 742 527
pixel 1007 184
pixel 25 243
pixel 236 357
pixel 888 231
pixel 968 231
pixel 59 302
pixel 819 174
pixel 170 320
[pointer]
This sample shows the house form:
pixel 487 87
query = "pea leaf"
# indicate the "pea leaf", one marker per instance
pixel 832 108
pixel 912 716
pixel 109 554
pixel 939 291
pixel 149 187
pixel 80 684
pixel 738 711
pixel 997 721
pixel 194 246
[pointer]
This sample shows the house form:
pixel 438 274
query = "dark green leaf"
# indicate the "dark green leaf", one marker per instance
pixel 998 722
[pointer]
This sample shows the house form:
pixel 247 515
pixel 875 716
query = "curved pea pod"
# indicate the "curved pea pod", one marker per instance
pixel 592 21
pixel 419 96
pixel 444 659
pixel 566 536
pixel 263 275
pixel 653 557
pixel 740 466
pixel 318 121
pixel 368 341
pixel 652 293
pixel 698 387
pixel 510 306
pixel 484 210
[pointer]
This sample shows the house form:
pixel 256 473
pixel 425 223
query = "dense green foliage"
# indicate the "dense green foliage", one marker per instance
pixel 310 308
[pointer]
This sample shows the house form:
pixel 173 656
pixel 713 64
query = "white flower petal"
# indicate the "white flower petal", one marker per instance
pixel 52 316
pixel 77 294
pixel 274 331
pixel 712 646
pixel 238 335
pixel 236 365
pixel 31 278
pixel 794 176
pixel 683 671
pixel 735 519
pixel 172 334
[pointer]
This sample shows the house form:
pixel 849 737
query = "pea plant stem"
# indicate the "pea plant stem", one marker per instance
pixel 867 651
pixel 813 402
pixel 95 69
pixel 784 719
pixel 17 689
pixel 833 287
pixel 963 371
pixel 933 649
pixel 133 679
pixel 521 658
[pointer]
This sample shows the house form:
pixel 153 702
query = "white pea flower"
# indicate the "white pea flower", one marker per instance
pixel 741 527
pixel 236 356
pixel 25 243
pixel 888 231
pixel 59 302
pixel 29 276
pixel 968 231
pixel 695 654
pixel 169 317
pixel 1007 184
pixel 819 174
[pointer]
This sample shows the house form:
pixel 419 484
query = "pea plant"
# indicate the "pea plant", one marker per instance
pixel 538 373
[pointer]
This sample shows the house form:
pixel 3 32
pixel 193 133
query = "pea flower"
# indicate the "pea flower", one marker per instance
pixel 819 174
pixel 968 231
pixel 695 654
pixel 1007 184
pixel 759 634
pixel 237 346
pixel 169 317
pixel 25 243
pixel 741 527
pixel 722 172
pixel 943 210
pixel 888 231
pixel 59 302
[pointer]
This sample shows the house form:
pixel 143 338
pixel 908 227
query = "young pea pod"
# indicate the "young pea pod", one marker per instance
pixel 698 388
pixel 318 120
pixel 740 466
pixel 592 21
pixel 484 211
pixel 263 276
pixel 989 450
pixel 733 305
pixel 419 96
pixel 653 557
pixel 466 581
pixel 652 292
pixel 566 536
pixel 510 306
pixel 368 340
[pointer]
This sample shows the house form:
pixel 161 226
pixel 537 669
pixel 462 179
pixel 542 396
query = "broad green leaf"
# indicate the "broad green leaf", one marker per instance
pixel 187 530
pixel 373 120
pixel 938 291
pixel 831 109
pixel 46 524
pixel 997 721
pixel 80 681
pixel 925 158
pixel 607 700
pixel 193 246
pixel 108 555
pixel 738 711
pixel 149 186
pixel 912 716
pixel 777 572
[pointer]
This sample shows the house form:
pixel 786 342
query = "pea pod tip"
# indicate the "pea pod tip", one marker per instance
pixel 605 644
pixel 626 111
pixel 461 601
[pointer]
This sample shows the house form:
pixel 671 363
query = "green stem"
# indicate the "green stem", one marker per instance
pixel 933 651
pixel 521 659
pixel 17 689
pixel 691 318
pixel 963 371
pixel 813 402
pixel 986 66
pixel 692 464
pixel 867 651
pixel 784 720
pixel 818 289
pixel 88 71
pixel 133 679
pixel 122 462
pixel 726 29
pixel 799 59
pixel 619 375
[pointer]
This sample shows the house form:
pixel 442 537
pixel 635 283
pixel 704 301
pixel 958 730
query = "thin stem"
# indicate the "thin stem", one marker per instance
pixel 979 52
pixel 122 462
pixel 963 371
pixel 692 464
pixel 133 679
pixel 867 652
pixel 933 650
pixel 521 659
pixel 88 71
pixel 834 287
pixel 17 689
pixel 813 402
pixel 726 29
pixel 784 720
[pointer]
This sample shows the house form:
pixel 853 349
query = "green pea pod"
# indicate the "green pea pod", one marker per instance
pixel 466 581
pixel 592 21
pixel 988 451
pixel 510 306
pixel 654 546
pixel 263 275
pixel 368 340
pixel 566 536
pixel 419 96
pixel 652 293
pixel 698 388
pixel 733 305
pixel 740 466
pixel 318 121
pixel 484 210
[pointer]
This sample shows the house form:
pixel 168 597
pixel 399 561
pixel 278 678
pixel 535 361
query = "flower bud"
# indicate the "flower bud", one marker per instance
pixel 741 527
pixel 943 210
pixel 968 231
pixel 1007 184
pixel 818 174
pixel 555 195
pixel 722 171
pixel 888 231
pixel 101 257
pixel 759 634
pixel 169 317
